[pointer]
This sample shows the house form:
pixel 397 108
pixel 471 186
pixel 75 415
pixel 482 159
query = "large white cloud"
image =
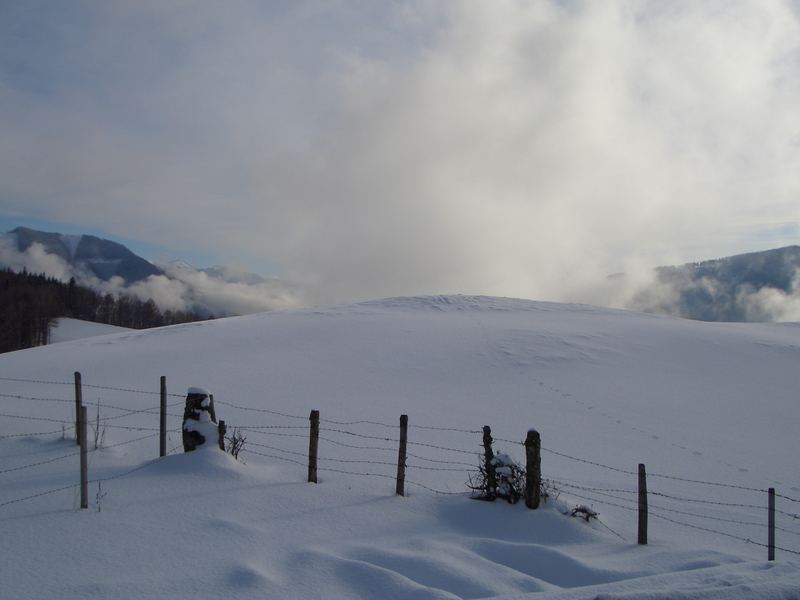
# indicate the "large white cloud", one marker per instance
pixel 504 147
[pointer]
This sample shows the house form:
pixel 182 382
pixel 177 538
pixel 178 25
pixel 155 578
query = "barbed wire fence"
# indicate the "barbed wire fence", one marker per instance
pixel 371 449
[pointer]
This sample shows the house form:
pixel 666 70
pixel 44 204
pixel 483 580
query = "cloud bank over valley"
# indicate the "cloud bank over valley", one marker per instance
pixel 374 149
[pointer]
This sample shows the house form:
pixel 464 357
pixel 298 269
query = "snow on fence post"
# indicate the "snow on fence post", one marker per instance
pixel 491 478
pixel 162 439
pixel 401 456
pixel 198 419
pixel 642 505
pixel 313 444
pixel 78 404
pixel 533 468
pixel 84 463
pixel 771 524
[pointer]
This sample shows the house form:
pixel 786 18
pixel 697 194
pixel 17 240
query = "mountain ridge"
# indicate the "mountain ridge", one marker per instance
pixel 96 256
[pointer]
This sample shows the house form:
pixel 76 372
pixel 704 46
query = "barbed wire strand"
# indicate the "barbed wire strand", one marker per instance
pixel 45 493
pixel 36 433
pixel 361 422
pixel 360 435
pixel 39 463
pixel 454 429
pixel 434 460
pixel 291 460
pixel 425 445
pixel 259 410
pixel 435 491
pixel 717 503
pixel 35 418
pixel 36 398
pixel 730 535
pixel 357 447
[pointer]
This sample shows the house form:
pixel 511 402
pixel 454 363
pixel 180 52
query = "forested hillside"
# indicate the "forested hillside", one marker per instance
pixel 30 302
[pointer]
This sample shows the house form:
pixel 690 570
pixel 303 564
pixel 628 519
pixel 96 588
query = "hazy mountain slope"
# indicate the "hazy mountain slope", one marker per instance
pixel 101 258
pixel 700 401
pixel 758 286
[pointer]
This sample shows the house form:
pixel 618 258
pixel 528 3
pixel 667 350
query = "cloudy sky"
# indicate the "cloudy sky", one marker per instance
pixel 365 149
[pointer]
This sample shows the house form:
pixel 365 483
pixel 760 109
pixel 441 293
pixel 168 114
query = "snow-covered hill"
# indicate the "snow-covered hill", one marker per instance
pixel 703 402
pixel 68 330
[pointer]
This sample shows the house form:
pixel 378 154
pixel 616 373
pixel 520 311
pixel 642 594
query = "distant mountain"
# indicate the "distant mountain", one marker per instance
pixel 110 267
pixel 101 258
pixel 745 287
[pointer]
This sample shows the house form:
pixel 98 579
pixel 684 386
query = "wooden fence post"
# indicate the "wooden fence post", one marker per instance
pixel 771 524
pixel 488 455
pixel 211 410
pixel 533 469
pixel 162 440
pixel 401 456
pixel 313 443
pixel 642 505
pixel 222 429
pixel 78 404
pixel 84 463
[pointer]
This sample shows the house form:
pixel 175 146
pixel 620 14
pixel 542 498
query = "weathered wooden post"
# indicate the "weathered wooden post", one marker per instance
pixel 84 462
pixel 488 455
pixel 642 505
pixel 401 456
pixel 162 439
pixel 313 444
pixel 211 410
pixel 771 525
pixel 78 404
pixel 533 469
pixel 223 429
pixel 198 425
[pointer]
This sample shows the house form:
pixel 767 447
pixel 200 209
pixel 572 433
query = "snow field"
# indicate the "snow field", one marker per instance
pixel 704 402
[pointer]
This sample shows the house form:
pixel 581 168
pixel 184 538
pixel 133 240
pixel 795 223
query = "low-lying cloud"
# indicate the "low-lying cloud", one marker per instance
pixel 373 149
pixel 184 289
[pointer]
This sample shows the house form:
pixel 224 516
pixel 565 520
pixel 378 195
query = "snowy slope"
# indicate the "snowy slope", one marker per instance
pixel 699 401
pixel 68 330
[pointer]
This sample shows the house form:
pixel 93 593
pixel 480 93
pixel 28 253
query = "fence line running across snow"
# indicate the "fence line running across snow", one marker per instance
pixel 383 447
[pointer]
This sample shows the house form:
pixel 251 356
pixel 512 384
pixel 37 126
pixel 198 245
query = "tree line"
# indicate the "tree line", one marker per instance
pixel 30 303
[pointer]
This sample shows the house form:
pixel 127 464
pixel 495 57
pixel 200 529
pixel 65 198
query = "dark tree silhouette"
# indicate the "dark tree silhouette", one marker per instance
pixel 29 304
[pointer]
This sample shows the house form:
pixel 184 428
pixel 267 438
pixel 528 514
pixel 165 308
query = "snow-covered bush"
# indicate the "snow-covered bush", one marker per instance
pixel 509 480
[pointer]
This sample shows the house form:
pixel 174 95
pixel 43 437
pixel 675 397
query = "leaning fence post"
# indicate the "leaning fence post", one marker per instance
pixel 533 468
pixel 771 524
pixel 78 404
pixel 84 464
pixel 401 456
pixel 642 505
pixel 313 443
pixel 162 441
pixel 488 455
